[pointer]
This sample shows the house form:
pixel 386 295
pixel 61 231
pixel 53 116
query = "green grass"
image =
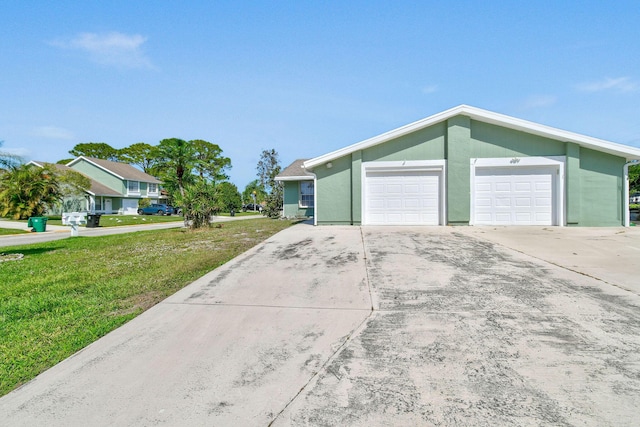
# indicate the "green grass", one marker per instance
pixel 250 213
pixel 63 295
pixel 120 220
pixel 6 231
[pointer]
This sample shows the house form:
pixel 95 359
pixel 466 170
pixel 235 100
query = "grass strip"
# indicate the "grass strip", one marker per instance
pixel 61 296
pixel 7 231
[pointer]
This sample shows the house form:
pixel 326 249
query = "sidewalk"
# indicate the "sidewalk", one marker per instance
pixel 17 225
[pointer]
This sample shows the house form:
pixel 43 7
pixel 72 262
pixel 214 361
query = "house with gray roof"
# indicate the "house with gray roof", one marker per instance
pixel 115 187
pixel 467 166
pixel 298 190
pixel 121 185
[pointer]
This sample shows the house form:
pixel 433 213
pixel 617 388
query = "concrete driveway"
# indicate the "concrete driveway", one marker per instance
pixel 464 331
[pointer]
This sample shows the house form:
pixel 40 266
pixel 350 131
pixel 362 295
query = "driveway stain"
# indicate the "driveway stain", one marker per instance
pixel 471 334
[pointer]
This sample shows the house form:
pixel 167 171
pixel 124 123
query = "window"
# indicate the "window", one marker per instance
pixel 153 188
pixel 133 187
pixel 306 194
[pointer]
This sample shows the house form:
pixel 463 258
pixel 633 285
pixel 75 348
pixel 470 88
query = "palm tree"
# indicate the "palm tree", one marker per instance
pixel 176 161
pixel 27 191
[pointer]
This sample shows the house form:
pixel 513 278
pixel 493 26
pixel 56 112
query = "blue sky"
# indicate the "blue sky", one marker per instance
pixel 304 77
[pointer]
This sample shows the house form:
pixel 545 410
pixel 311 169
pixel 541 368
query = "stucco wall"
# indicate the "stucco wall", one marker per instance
pixel 291 206
pixel 100 175
pixel 334 195
pixel 593 180
pixel 601 184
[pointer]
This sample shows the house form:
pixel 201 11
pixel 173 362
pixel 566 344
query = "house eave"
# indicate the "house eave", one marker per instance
pixel 627 152
pixel 295 178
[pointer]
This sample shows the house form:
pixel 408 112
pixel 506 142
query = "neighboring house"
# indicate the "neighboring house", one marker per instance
pixel 468 166
pixel 115 187
pixel 298 190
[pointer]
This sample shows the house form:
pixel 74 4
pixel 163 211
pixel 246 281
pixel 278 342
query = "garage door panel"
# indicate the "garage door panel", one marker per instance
pixel 503 187
pixel 483 187
pixel 514 195
pixel 394 204
pixel 484 201
pixel 543 202
pixel 412 204
pixel 523 186
pixel 402 197
pixel 503 202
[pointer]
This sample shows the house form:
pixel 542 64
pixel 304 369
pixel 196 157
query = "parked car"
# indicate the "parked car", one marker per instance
pixel 252 207
pixel 156 209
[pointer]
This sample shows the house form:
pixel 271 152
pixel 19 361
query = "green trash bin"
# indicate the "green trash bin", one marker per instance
pixel 39 223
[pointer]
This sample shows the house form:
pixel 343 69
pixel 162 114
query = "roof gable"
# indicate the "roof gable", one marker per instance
pixel 96 188
pixel 627 152
pixel 123 171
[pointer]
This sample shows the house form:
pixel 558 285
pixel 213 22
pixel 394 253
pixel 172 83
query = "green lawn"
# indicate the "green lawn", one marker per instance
pixel 63 295
pixel 6 231
pixel 118 220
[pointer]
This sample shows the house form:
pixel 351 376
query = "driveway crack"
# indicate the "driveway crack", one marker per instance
pixel 354 333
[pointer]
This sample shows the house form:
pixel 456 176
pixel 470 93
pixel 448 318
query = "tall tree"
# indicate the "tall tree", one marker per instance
pixel 98 150
pixel 229 196
pixel 210 164
pixel 28 190
pixel 175 163
pixel 8 160
pixel 140 154
pixel 268 169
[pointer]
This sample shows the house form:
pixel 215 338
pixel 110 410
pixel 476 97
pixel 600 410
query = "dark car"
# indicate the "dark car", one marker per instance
pixel 156 209
pixel 252 207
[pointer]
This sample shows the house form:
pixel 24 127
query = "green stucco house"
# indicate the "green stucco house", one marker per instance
pixel 115 187
pixel 121 186
pixel 466 166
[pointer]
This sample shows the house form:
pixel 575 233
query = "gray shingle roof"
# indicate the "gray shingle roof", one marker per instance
pixel 123 170
pixel 294 170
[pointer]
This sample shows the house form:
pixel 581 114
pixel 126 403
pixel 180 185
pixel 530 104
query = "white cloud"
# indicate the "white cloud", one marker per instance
pixel 620 84
pixel 429 89
pixel 115 49
pixel 539 101
pixel 52 132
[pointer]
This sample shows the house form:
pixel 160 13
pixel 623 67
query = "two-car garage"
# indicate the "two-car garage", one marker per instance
pixel 468 166
pixel 503 192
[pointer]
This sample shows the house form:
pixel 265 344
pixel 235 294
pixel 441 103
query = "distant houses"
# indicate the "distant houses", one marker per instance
pixel 116 188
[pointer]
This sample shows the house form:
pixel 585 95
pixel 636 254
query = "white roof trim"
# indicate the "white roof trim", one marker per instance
pixel 487 117
pixel 295 178
pixel 96 165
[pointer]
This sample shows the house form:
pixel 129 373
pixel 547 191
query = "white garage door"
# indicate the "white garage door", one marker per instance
pixel 515 196
pixel 402 198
